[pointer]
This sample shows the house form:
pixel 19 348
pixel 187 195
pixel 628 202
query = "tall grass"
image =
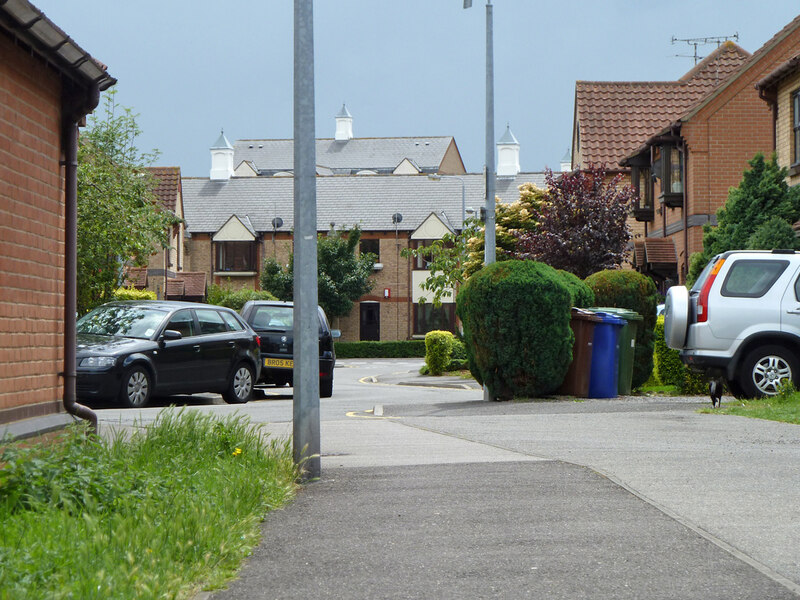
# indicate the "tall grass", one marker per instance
pixel 157 514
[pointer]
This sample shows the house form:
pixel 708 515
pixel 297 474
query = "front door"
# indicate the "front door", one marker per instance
pixel 370 321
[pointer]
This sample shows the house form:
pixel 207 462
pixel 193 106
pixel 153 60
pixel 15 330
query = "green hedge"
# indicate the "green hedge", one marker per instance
pixel 394 349
pixel 581 294
pixel 669 368
pixel 621 288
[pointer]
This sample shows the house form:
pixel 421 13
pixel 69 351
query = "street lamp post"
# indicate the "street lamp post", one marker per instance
pixel 489 243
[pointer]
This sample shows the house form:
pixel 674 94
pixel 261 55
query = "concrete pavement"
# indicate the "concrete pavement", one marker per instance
pixel 515 500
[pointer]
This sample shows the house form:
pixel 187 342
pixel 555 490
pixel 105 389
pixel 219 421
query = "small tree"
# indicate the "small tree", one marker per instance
pixel 456 256
pixel 583 226
pixel 749 218
pixel 119 220
pixel 342 277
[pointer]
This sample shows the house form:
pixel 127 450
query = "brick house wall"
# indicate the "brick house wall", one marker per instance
pixel 32 230
pixel 784 133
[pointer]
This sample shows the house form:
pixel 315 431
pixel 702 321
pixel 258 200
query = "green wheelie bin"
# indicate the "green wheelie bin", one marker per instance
pixel 627 344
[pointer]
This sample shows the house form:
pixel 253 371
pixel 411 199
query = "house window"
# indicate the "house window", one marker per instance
pixel 371 247
pixel 428 317
pixel 796 127
pixel 236 256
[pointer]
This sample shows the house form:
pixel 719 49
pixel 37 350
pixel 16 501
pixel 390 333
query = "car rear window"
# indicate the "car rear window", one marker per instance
pixel 752 278
pixel 210 321
pixel 233 323
pixel 273 317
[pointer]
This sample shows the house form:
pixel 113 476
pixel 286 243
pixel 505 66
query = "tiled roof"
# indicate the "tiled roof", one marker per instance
pixel 638 253
pixel 367 200
pixel 616 117
pixel 168 185
pixel 346 157
pixel 660 250
pixel 136 277
pixel 187 284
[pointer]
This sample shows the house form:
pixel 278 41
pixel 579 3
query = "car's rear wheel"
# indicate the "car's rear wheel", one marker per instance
pixel 765 369
pixel 136 387
pixel 240 386
pixel 676 316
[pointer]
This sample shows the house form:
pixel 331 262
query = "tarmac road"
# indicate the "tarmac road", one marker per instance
pixel 458 498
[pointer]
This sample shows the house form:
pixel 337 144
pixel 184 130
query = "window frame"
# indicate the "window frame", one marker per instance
pixel 795 150
pixel 221 257
pixel 449 307
pixel 760 292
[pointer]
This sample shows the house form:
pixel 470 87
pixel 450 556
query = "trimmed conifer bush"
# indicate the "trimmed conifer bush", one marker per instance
pixel 516 328
pixel 628 289
pixel 582 294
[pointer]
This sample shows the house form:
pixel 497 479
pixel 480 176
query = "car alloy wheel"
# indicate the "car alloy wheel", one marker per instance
pixel 240 388
pixel 135 391
pixel 765 369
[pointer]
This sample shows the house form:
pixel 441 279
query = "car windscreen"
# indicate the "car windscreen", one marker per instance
pixel 272 317
pixel 122 320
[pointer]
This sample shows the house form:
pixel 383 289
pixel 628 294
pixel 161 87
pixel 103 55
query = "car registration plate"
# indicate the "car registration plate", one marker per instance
pixel 280 363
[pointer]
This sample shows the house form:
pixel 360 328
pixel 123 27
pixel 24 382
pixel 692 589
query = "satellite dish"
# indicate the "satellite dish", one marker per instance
pixel 397 218
pixel 277 223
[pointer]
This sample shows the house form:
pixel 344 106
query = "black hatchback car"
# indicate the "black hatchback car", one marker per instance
pixel 129 351
pixel 273 321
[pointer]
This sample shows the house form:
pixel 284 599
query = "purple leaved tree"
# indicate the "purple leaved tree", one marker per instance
pixel 583 226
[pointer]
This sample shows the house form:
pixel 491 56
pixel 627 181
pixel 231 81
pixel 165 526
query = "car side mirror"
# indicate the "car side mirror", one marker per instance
pixel 336 334
pixel 170 334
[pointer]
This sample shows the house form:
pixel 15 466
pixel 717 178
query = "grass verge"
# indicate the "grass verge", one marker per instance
pixel 161 514
pixel 784 407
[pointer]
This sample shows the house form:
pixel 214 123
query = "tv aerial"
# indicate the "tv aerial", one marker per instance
pixel 703 41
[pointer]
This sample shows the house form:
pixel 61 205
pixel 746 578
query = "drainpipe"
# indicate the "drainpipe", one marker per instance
pixel 685 270
pixel 74 110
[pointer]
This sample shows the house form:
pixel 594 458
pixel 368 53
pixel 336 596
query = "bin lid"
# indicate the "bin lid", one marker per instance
pixel 585 315
pixel 623 313
pixel 611 319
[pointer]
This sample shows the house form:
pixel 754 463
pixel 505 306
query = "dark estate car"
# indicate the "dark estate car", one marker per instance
pixel 273 321
pixel 129 351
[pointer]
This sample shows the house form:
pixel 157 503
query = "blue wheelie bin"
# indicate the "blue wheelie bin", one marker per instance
pixel 603 378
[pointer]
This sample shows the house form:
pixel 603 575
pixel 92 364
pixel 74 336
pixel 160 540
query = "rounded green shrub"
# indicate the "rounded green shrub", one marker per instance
pixel 582 295
pixel 628 289
pixel 438 350
pixel 516 318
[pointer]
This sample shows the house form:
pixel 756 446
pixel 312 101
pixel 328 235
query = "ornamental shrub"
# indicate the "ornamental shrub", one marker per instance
pixel 235 299
pixel 582 295
pixel 670 369
pixel 516 328
pixel 438 350
pixel 634 291
pixel 132 293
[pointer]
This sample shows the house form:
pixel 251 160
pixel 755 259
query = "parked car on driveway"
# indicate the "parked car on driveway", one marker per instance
pixel 273 321
pixel 130 351
pixel 740 322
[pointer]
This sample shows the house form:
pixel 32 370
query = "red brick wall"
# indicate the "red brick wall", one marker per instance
pixel 32 236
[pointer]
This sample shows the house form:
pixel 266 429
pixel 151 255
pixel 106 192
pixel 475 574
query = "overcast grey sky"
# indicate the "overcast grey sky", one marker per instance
pixel 410 68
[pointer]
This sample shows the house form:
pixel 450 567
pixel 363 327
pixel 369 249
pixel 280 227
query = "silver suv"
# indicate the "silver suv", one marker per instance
pixel 740 322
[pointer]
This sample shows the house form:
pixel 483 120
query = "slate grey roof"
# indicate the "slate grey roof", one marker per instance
pixel 344 113
pixel 367 200
pixel 347 157
pixel 222 142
